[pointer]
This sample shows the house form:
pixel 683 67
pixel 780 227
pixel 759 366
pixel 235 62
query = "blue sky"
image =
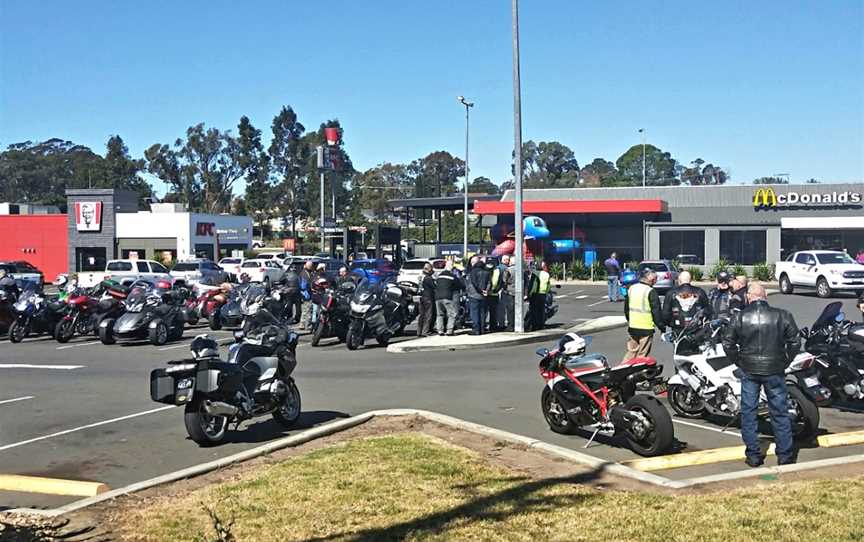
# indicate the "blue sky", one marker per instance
pixel 758 87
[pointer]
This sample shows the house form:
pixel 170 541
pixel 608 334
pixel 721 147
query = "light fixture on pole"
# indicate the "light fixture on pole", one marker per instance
pixel 468 105
pixel 518 320
pixel 642 131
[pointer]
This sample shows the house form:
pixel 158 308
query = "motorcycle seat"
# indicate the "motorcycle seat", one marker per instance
pixel 587 363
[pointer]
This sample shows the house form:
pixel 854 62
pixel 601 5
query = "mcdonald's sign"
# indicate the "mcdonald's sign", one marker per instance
pixel 765 197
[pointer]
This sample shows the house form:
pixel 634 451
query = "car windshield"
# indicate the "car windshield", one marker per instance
pixel 414 266
pixel 834 257
pixel 186 266
pixel 119 266
pixel 250 264
pixel 229 260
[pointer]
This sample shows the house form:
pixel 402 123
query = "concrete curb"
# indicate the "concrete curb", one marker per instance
pixel 497 340
pixel 565 453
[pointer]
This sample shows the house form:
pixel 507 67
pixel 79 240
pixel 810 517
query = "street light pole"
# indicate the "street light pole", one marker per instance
pixel 322 210
pixel 468 105
pixel 642 131
pixel 518 320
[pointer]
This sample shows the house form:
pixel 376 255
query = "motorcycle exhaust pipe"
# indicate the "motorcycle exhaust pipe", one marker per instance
pixel 218 408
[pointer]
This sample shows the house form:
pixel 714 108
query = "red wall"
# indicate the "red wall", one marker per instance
pixel 41 240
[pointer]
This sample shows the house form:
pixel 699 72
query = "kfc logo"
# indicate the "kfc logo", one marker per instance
pixel 88 215
pixel 205 229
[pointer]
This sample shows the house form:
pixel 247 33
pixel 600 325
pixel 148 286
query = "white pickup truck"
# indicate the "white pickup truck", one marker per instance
pixel 126 272
pixel 827 271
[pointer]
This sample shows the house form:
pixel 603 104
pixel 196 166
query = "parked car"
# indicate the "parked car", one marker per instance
pixel 375 270
pixel 271 256
pixel 190 272
pixel 412 269
pixel 266 271
pixel 827 271
pixel 296 260
pixel 667 274
pixel 687 259
pixel 21 270
pixel 126 272
pixel 231 266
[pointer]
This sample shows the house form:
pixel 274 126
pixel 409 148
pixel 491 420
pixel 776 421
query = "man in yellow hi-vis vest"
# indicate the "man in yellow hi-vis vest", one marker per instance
pixel 643 312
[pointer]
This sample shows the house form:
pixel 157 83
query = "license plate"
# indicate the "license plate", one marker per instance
pixel 811 381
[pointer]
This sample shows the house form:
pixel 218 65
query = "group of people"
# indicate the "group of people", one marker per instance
pixel 490 288
pixel 300 285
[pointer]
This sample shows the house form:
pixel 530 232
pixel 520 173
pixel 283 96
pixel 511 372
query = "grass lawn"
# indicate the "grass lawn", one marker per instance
pixel 413 487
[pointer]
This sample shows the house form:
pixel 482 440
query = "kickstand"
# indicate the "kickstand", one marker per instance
pixel 731 421
pixel 590 440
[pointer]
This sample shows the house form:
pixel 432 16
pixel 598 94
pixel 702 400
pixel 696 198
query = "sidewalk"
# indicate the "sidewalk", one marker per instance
pixel 707 284
pixel 463 340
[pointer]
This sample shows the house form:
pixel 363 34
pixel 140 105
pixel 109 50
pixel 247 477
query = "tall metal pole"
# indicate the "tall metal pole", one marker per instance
pixel 519 325
pixel 322 210
pixel 465 201
pixel 642 131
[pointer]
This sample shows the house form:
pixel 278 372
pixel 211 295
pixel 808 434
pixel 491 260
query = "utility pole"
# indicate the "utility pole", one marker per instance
pixel 467 105
pixel 642 131
pixel 519 325
pixel 321 165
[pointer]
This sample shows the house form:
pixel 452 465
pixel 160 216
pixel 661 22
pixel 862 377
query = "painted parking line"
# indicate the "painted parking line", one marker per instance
pixel 50 486
pixel 562 296
pixel 580 297
pixel 49 367
pixel 15 400
pixel 76 345
pixel 577 292
pixel 599 302
pixel 5 447
pixel 707 428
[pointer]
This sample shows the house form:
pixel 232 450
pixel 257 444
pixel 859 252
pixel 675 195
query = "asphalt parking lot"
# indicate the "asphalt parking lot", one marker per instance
pixel 82 410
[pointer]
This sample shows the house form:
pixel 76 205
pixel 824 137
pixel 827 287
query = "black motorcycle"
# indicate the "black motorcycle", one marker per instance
pixel 379 310
pixel 152 313
pixel 230 314
pixel 334 313
pixel 254 381
pixel 838 345
pixel 35 314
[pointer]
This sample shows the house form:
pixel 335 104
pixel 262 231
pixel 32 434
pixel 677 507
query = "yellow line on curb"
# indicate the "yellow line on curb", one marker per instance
pixel 732 453
pixel 50 486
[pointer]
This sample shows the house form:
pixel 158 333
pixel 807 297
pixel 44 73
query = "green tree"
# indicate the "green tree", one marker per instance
pixel 371 189
pixel 289 156
pixel 483 185
pixel 770 180
pixel 699 174
pixel 256 165
pixel 548 164
pixel 437 174
pixel 660 167
pixel 121 171
pixel 599 172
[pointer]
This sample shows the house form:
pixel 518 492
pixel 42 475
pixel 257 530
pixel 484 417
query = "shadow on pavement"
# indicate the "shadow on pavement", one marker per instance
pixel 268 429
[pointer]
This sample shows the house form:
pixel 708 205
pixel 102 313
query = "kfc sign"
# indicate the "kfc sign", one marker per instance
pixel 88 215
pixel 205 229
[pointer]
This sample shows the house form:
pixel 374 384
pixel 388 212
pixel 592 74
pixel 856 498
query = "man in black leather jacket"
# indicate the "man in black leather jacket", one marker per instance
pixel 683 302
pixel 762 340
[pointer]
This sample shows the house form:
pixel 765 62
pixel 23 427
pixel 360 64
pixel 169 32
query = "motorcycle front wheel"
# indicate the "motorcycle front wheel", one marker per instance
pixel 106 333
pixel 318 334
pixel 18 331
pixel 553 412
pixel 64 331
pixel 659 435
pixel 204 429
pixel 803 413
pixel 354 340
pixel 685 402
pixel 289 412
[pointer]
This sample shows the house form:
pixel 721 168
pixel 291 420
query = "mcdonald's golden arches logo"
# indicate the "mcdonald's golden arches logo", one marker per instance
pixel 765 197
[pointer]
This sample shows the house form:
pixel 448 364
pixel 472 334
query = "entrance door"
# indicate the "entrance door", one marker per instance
pixel 90 259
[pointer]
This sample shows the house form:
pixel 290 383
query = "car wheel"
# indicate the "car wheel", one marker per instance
pixel 786 284
pixel 823 290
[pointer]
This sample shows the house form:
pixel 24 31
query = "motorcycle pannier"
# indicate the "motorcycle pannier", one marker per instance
pixel 856 338
pixel 394 293
pixel 207 380
pixel 161 386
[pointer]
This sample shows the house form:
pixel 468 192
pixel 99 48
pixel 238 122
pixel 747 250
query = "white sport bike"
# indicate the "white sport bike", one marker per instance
pixel 707 383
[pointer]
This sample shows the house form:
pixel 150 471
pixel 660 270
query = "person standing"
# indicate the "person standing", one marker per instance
pixel 427 302
pixel 306 279
pixel 643 312
pixel 344 277
pixel 861 304
pixel 739 293
pixel 507 306
pixel 477 285
pixel 494 297
pixel 445 308
pixel 613 276
pixel 292 293
pixel 720 297
pixel 683 302
pixel 762 340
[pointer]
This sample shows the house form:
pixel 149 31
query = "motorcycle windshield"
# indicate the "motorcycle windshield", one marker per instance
pixel 140 294
pixel 252 299
pixel 828 315
pixel 366 292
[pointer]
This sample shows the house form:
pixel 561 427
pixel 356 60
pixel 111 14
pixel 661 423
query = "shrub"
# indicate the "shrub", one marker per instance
pixel 695 273
pixel 557 271
pixel 599 270
pixel 579 271
pixel 763 272
pixel 721 265
pixel 738 269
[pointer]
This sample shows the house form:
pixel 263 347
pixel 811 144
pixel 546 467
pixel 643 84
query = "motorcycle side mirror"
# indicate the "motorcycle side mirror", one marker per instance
pixel 542 352
pixel 238 335
pixel 840 316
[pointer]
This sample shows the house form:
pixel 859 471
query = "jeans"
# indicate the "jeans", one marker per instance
pixel 426 317
pixel 509 303
pixel 614 288
pixel 445 309
pixel 778 407
pixel 477 308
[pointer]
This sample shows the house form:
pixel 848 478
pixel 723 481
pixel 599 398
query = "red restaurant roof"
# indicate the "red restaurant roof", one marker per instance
pixel 610 206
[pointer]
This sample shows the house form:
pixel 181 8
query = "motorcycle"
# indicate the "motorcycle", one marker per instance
pixel 204 299
pixel 228 313
pixel 379 310
pixel 7 312
pixel 35 314
pixel 706 382
pixel 583 392
pixel 838 347
pixel 153 312
pixel 88 307
pixel 334 313
pixel 254 381
pixel 628 279
pixel 550 307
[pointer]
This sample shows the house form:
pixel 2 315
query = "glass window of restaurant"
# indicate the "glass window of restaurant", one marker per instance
pixel 683 245
pixel 745 247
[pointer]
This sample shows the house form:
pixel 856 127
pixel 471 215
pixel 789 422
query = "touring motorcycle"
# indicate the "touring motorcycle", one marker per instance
pixel 379 310
pixel 254 381
pixel 35 313
pixel 706 382
pixel 334 313
pixel 583 391
pixel 838 347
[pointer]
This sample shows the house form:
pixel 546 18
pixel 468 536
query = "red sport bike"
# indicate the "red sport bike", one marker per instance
pixel 87 307
pixel 583 392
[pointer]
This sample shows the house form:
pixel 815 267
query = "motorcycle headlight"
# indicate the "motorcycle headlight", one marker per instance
pixel 359 307
pixel 21 305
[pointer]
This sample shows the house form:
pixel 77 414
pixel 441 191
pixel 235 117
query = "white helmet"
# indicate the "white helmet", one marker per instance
pixel 572 344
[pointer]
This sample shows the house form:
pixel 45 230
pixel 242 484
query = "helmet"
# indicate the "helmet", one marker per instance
pixel 572 344
pixel 61 280
pixel 723 277
pixel 244 277
pixel 204 347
